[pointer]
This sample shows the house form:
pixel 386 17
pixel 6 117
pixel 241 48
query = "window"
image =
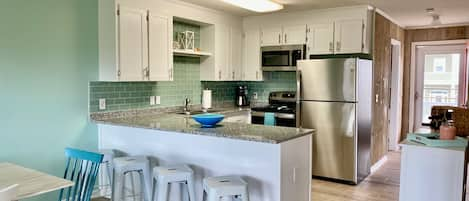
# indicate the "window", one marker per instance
pixel 439 65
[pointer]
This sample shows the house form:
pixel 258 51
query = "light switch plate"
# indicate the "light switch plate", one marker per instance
pixel 102 104
pixel 158 100
pixel 255 96
pixel 152 100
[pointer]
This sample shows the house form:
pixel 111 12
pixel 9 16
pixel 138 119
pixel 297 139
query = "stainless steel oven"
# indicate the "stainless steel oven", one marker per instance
pixel 282 58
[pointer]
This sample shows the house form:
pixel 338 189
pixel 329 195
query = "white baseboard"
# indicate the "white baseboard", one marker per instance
pixel 378 164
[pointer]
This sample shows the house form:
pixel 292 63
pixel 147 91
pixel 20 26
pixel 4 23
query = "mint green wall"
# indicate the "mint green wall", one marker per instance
pixel 48 54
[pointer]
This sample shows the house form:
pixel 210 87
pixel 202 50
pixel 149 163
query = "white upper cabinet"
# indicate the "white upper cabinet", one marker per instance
pixel 271 36
pixel 160 49
pixel 236 54
pixel 294 35
pixel 349 36
pixel 135 44
pixel 283 35
pixel 132 40
pixel 320 38
pixel 252 55
pixel 222 53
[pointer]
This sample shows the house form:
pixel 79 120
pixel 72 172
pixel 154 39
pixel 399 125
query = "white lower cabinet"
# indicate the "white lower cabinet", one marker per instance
pixel 252 55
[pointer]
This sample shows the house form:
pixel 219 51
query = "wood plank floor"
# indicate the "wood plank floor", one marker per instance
pixel 382 185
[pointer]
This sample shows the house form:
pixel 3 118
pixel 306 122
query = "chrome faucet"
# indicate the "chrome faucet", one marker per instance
pixel 186 105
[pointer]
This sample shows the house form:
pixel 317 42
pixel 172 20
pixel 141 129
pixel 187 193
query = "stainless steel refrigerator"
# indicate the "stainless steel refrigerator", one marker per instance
pixel 336 100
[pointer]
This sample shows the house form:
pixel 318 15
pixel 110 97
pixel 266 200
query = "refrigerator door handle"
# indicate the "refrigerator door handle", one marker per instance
pixel 298 98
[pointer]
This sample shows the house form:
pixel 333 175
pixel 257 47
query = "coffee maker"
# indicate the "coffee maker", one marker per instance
pixel 241 96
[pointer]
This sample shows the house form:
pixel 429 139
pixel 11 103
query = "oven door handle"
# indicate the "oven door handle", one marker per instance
pixel 277 115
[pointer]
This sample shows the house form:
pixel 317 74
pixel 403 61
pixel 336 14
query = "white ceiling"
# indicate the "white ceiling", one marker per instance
pixel 408 13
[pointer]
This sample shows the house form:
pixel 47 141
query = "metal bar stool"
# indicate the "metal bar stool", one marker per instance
pixel 132 164
pixel 218 187
pixel 163 177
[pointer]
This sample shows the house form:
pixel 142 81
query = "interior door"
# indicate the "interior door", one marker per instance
pixel 294 35
pixel 132 35
pixel 271 36
pixel 252 55
pixel 321 39
pixel 160 49
pixel 440 79
pixel 349 35
pixel 334 151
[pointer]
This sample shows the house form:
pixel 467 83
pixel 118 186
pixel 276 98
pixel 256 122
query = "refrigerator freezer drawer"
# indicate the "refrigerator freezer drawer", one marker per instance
pixel 334 144
pixel 328 79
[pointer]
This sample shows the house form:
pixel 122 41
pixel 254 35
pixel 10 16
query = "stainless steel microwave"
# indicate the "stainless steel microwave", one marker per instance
pixel 282 58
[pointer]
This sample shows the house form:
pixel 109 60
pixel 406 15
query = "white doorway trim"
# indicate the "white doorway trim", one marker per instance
pixel 413 73
pixel 396 88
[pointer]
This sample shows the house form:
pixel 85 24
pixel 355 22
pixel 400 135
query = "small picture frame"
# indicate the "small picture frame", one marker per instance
pixel 189 37
pixel 181 38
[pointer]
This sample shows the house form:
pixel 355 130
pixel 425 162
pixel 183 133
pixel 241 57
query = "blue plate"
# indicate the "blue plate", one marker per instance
pixel 208 120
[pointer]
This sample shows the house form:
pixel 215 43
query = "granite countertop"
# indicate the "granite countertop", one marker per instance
pixel 184 124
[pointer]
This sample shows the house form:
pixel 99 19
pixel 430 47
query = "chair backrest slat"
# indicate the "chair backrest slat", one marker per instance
pixel 82 168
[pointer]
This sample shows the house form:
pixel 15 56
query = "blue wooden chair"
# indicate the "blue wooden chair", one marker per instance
pixel 82 168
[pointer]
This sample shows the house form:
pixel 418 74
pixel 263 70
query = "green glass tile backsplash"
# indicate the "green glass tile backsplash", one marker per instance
pixel 136 95
pixel 273 81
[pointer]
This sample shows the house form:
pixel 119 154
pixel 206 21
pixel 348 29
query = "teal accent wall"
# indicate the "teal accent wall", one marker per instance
pixel 48 55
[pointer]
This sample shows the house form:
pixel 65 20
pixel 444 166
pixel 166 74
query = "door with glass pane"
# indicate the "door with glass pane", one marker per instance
pixel 440 79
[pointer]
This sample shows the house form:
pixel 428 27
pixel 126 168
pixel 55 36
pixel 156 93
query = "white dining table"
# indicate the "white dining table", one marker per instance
pixel 30 182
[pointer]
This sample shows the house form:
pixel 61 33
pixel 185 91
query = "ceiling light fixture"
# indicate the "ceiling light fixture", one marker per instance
pixel 260 6
pixel 435 17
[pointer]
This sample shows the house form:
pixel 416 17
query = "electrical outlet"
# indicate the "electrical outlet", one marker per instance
pixel 152 100
pixel 102 104
pixel 255 96
pixel 158 100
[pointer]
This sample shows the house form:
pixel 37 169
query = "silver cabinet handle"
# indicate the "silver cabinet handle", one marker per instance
pixel 257 74
pixel 331 46
pixel 338 46
pixel 233 75
pixel 285 38
pixel 219 74
pixel 279 38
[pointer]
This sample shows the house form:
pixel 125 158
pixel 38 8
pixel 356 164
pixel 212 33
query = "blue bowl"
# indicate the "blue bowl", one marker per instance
pixel 208 120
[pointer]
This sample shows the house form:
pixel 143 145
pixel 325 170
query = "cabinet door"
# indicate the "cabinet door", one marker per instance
pixel 252 55
pixel 236 55
pixel 222 53
pixel 271 36
pixel 132 39
pixel 349 36
pixel 294 35
pixel 321 39
pixel 160 54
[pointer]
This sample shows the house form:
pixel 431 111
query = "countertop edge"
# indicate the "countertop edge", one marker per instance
pixel 304 133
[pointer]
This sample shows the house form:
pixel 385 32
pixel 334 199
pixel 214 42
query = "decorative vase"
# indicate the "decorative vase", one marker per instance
pixel 447 131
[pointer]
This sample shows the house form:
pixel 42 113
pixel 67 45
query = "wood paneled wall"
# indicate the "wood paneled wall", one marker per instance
pixel 420 35
pixel 385 30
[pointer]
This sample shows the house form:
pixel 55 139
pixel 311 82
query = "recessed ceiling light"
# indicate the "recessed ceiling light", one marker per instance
pixel 430 10
pixel 260 6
